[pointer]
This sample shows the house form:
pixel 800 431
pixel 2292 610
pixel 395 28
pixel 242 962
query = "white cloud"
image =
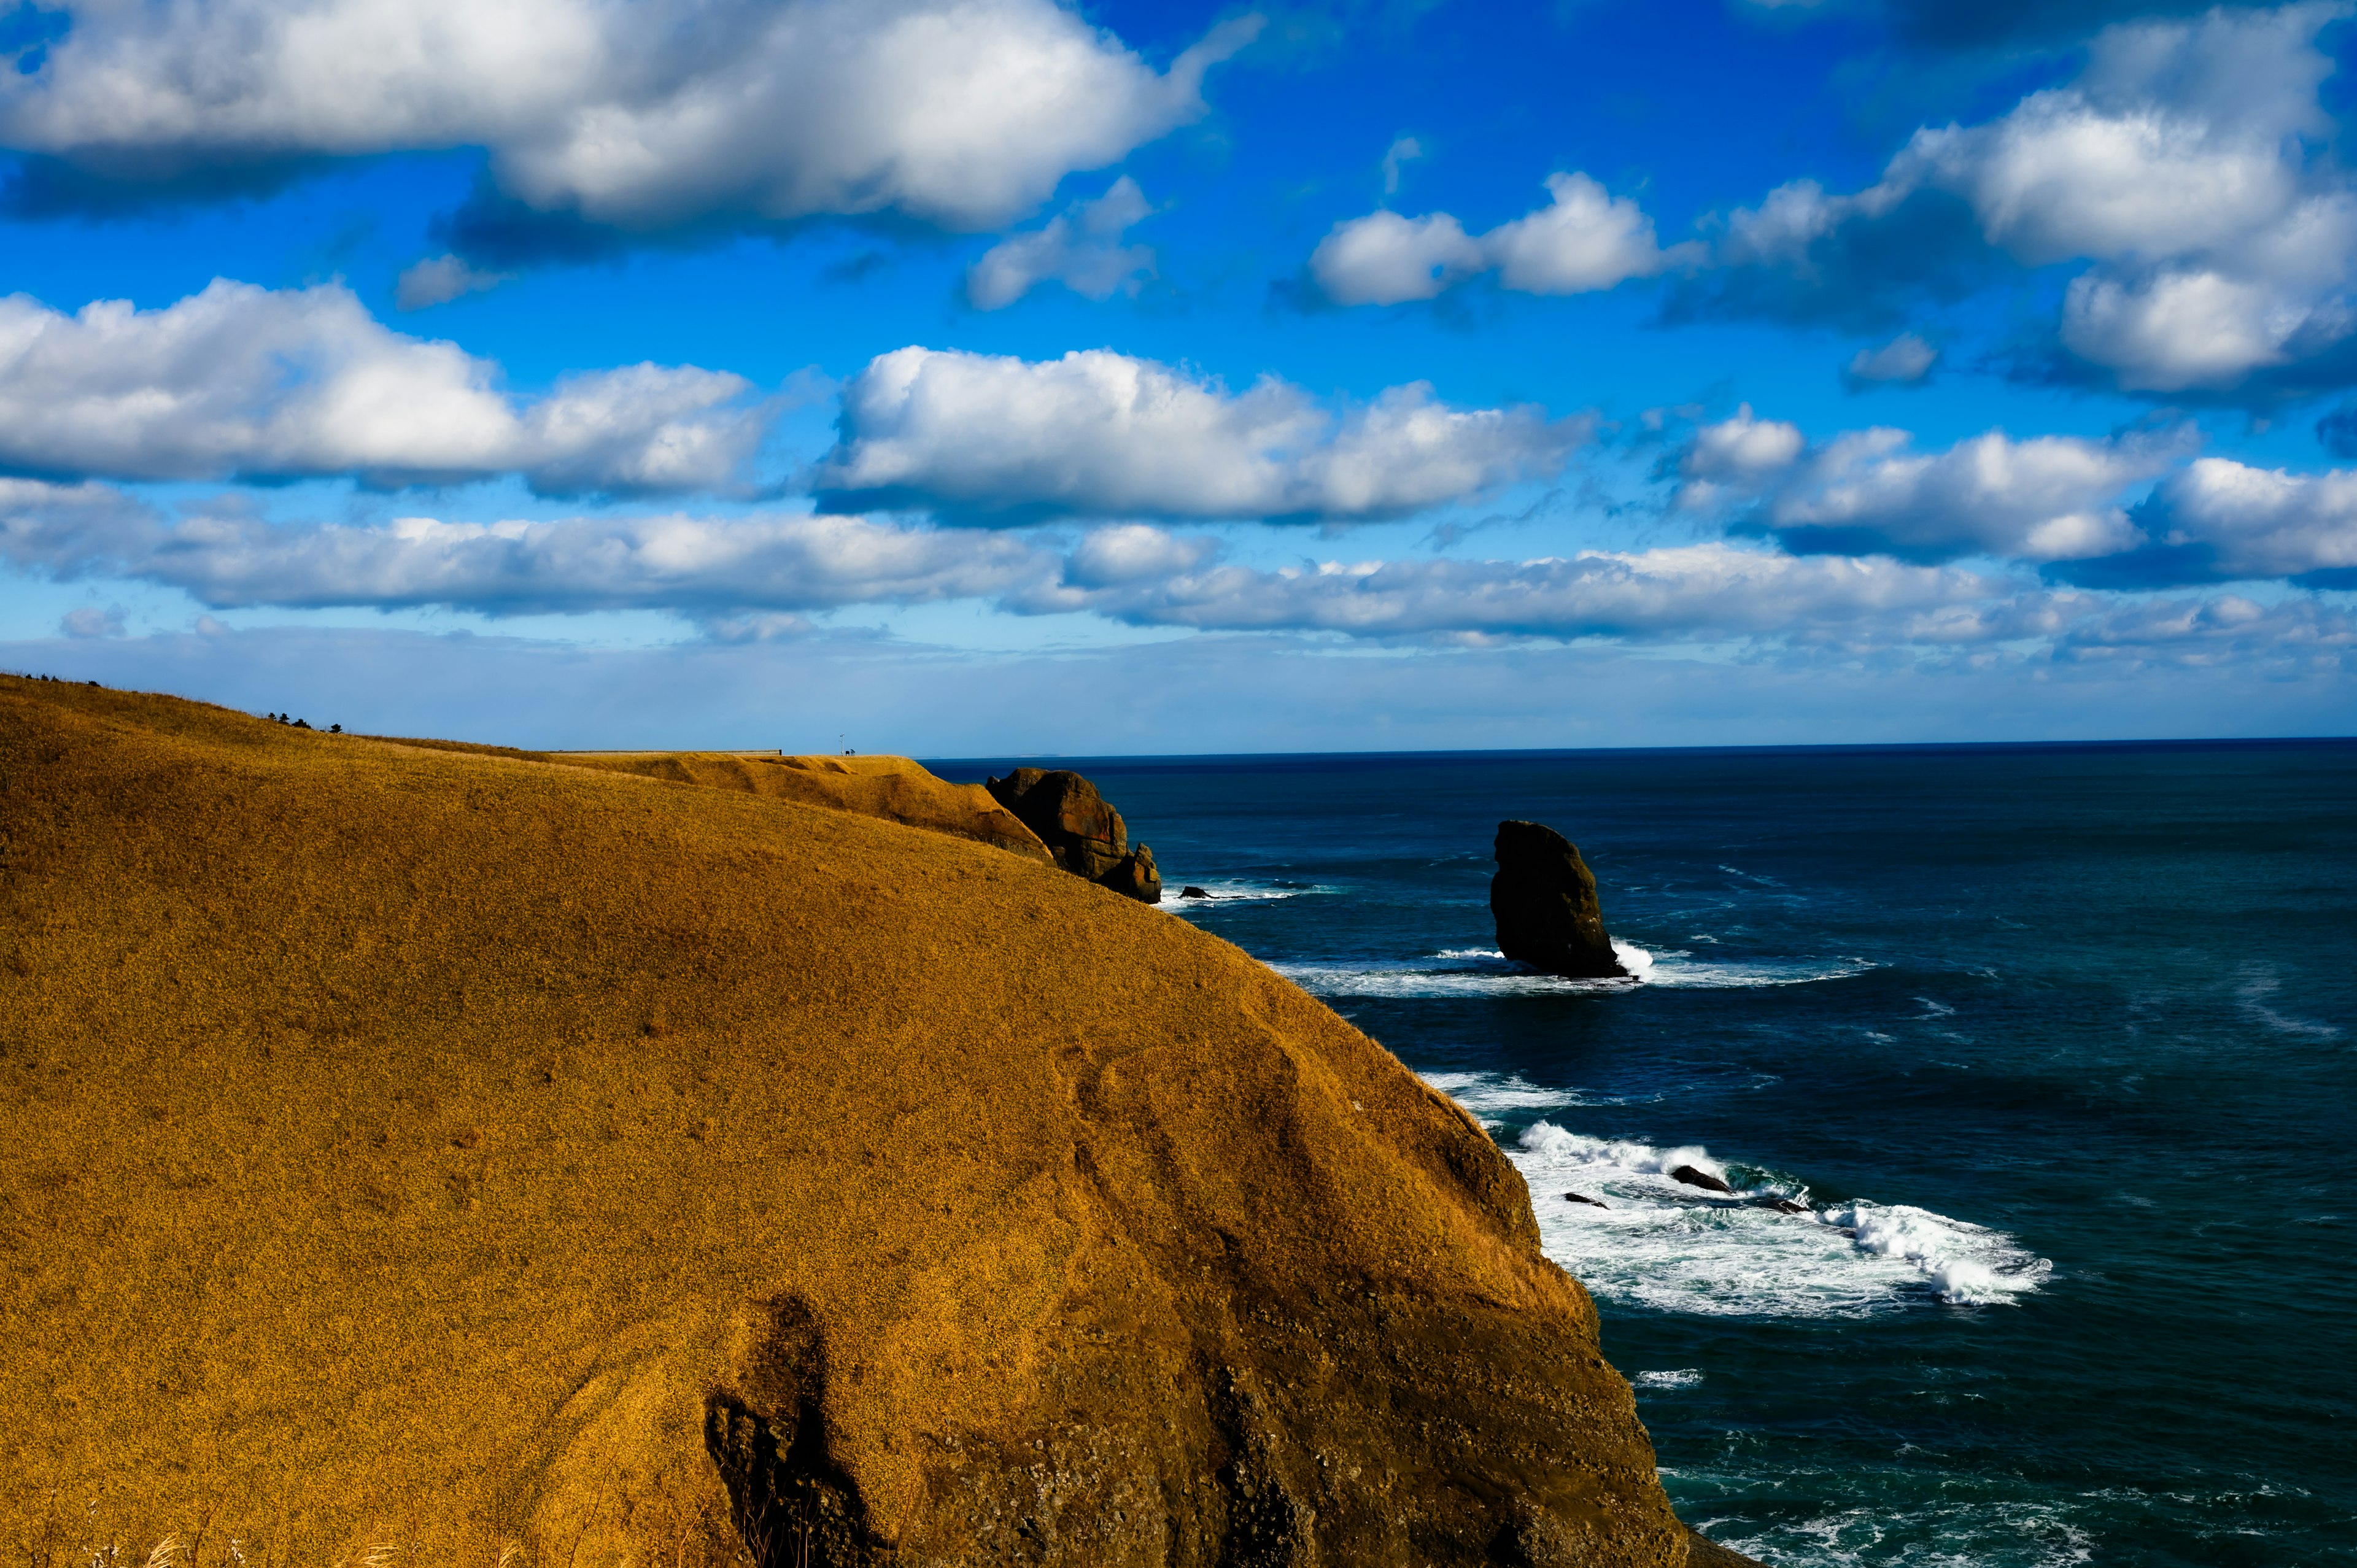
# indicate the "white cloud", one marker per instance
pixel 1385 259
pixel 960 112
pixel 1097 433
pixel 2049 498
pixel 245 381
pixel 1703 592
pixel 1905 359
pixel 1739 453
pixel 438 279
pixel 2185 162
pixel 2261 522
pixel 1585 240
pixel 1080 247
pixel 691 564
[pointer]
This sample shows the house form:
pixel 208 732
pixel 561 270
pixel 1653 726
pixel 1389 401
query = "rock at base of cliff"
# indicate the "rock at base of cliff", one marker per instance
pixel 1543 899
pixel 1135 876
pixel 1083 833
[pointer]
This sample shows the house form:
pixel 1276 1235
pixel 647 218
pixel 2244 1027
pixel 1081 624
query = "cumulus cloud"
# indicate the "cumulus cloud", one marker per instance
pixel 2222 519
pixel 2185 163
pixel 246 382
pixel 643 116
pixel 1741 453
pixel 1080 247
pixel 1096 433
pixel 2049 498
pixel 1584 240
pixel 438 279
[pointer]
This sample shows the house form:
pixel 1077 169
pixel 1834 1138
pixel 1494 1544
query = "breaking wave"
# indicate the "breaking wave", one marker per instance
pixel 1233 891
pixel 1486 971
pixel 1635 1233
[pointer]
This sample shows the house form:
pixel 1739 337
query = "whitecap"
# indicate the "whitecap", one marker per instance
pixel 1234 891
pixel 1684 1377
pixel 1651 1240
pixel 1486 1094
pixel 1486 971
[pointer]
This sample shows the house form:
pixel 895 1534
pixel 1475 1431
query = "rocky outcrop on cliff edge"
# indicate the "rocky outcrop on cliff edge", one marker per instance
pixel 1081 828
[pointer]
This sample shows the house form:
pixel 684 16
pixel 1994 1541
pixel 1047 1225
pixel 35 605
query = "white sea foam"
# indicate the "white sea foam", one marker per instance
pixel 1970 1531
pixel 1650 1239
pixel 1685 1378
pixel 1486 1094
pixel 2254 995
pixel 1232 892
pixel 1486 971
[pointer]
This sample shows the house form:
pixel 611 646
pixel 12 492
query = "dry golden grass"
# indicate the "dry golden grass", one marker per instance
pixel 446 1155
pixel 892 787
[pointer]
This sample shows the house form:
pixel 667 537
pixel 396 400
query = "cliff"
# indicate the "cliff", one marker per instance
pixel 417 1152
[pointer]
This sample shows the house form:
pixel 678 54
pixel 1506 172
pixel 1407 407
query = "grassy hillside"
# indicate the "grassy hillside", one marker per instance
pixel 418 1154
pixel 893 788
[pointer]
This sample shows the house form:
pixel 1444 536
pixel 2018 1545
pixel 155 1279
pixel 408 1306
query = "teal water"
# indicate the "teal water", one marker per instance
pixel 2058 1044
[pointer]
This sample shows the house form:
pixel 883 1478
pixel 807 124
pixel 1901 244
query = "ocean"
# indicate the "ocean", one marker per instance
pixel 2057 1044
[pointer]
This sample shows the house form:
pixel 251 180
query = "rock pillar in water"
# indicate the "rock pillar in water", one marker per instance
pixel 1087 836
pixel 1543 899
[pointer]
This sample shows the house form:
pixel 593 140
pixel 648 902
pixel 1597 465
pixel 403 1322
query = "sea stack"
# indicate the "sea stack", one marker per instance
pixel 1543 899
pixel 1084 834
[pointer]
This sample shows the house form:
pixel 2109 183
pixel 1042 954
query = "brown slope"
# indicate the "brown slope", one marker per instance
pixel 892 787
pixel 427 1150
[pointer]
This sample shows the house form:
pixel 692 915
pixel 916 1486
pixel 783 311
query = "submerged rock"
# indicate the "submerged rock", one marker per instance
pixel 1583 1198
pixel 1543 899
pixel 1703 1179
pixel 1784 1206
pixel 1082 830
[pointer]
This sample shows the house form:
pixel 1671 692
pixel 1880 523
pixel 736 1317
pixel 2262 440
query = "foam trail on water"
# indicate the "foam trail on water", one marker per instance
pixel 1486 971
pixel 1650 1239
pixel 1230 891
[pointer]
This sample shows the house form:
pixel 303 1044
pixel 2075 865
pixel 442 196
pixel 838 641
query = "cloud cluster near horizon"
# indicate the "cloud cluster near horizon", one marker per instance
pixel 1864 535
pixel 756 577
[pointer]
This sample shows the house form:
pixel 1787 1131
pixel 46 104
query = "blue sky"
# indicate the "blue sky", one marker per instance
pixel 979 376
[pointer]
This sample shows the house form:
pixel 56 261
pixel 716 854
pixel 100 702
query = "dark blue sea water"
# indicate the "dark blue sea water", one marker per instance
pixel 2058 1043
